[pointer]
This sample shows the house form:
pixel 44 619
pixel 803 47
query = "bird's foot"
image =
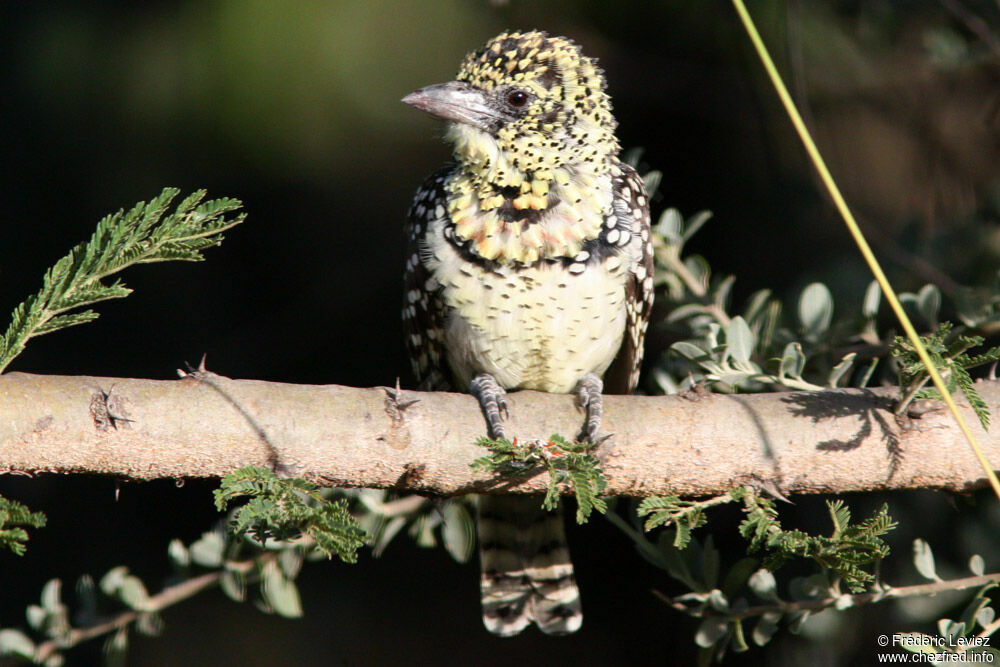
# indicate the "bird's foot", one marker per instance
pixel 493 400
pixel 588 394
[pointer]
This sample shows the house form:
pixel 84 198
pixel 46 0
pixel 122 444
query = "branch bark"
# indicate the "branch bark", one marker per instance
pixel 206 425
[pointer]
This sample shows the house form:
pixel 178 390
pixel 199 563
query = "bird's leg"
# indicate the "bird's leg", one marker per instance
pixel 588 393
pixel 493 400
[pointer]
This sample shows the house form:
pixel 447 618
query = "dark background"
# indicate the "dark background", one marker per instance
pixel 294 109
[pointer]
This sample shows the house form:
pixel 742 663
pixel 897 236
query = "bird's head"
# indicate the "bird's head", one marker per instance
pixel 535 143
pixel 524 107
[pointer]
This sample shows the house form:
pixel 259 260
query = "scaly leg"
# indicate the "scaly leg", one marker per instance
pixel 588 393
pixel 493 400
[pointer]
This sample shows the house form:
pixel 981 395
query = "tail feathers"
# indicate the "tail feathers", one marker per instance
pixel 527 575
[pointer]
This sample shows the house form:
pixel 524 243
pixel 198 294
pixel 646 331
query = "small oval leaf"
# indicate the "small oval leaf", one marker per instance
pixel 710 631
pixel 923 559
pixel 766 627
pixel 815 309
pixel 15 642
pixel 929 303
pixel 763 584
pixel 279 592
pixel 793 361
pixel 670 224
pixel 52 595
pixel 178 553
pixel 841 369
pixel 739 341
pixel 458 531
pixel 689 351
pixel 207 551
pixel 234 585
pixel 873 298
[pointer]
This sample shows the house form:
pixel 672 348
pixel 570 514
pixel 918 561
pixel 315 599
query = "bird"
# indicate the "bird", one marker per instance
pixel 528 266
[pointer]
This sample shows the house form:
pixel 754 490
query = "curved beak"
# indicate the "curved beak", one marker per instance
pixel 455 101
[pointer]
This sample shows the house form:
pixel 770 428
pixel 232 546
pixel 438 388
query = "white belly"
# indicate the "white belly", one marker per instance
pixel 540 328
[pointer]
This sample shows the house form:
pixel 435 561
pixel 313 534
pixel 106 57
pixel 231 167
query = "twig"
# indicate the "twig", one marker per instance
pixel 841 601
pixel 166 598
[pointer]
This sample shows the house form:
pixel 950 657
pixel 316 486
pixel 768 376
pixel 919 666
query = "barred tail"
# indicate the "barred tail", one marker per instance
pixel 527 575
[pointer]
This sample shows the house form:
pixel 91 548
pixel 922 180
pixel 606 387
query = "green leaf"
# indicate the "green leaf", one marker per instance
pixel 112 580
pixel 458 531
pixel 923 559
pixel 698 268
pixel 844 551
pixel 651 179
pixel 52 595
pixel 756 305
pixel 279 592
pixel 950 628
pixel 234 585
pixel 739 341
pixel 133 593
pixel 841 369
pixel 764 585
pixel 670 225
pixel 208 550
pixel 386 533
pixel 739 574
pixel 569 464
pixel 14 515
pixel 815 309
pixel 283 508
pixel 720 295
pixel 15 642
pixel 146 233
pixel 766 627
pixel 689 351
pixel 150 624
pixel 36 616
pixel 178 553
pixel 873 298
pixel 65 321
pixel 115 648
pixel 710 631
pixel 929 303
pixel 793 361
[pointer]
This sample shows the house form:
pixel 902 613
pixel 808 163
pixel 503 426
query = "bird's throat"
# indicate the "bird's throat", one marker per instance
pixel 527 217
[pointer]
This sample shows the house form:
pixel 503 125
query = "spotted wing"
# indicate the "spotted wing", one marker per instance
pixel 423 310
pixel 631 206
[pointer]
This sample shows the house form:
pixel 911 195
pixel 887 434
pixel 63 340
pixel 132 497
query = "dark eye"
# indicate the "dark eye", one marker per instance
pixel 517 98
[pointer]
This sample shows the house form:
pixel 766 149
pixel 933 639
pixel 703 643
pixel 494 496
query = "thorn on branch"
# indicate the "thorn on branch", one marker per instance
pixel 768 487
pixel 108 410
pixel 697 391
pixel 200 373
pixel 394 407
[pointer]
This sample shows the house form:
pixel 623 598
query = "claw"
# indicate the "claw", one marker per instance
pixel 493 401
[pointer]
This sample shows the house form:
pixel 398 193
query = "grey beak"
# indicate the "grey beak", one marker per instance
pixel 455 101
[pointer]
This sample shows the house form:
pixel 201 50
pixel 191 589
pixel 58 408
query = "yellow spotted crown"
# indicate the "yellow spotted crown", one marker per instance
pixel 569 118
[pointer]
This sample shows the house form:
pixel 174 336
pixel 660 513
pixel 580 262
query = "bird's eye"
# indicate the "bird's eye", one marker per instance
pixel 517 98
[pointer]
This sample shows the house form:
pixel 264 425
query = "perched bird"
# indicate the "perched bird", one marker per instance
pixel 529 266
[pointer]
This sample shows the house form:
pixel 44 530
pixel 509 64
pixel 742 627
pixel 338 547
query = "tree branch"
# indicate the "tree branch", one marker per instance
pixel 879 594
pixel 205 425
pixel 166 598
